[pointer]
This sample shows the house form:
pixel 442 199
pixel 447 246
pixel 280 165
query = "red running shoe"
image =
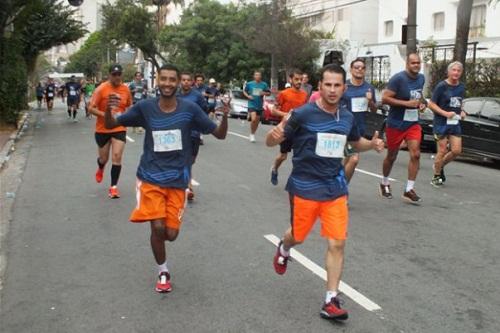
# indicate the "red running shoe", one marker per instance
pixel 113 192
pixel 163 285
pixel 99 175
pixel 280 262
pixel 332 310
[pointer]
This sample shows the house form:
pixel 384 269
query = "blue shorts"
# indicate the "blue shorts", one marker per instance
pixel 258 112
pixel 443 131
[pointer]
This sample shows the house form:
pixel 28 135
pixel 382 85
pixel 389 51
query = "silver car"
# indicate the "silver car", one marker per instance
pixel 239 105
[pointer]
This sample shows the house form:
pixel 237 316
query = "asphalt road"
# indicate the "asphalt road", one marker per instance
pixel 75 263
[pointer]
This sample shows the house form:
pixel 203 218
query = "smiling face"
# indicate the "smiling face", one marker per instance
pixel 168 82
pixel 331 87
pixel 358 70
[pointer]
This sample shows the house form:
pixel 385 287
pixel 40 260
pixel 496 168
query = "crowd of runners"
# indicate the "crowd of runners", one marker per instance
pixel 324 130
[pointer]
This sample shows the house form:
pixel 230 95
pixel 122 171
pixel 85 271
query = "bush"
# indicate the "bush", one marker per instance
pixel 13 82
pixel 481 79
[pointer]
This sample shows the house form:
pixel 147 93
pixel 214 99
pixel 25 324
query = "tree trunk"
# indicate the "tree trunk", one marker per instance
pixel 462 35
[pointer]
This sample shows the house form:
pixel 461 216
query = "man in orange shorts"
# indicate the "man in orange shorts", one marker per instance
pixel 165 167
pixel 404 95
pixel 317 185
pixel 289 99
pixel 110 140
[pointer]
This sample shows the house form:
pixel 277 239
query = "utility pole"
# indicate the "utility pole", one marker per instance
pixel 274 70
pixel 411 44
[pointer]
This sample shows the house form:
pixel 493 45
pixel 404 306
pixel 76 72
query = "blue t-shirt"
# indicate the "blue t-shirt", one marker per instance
pixel 211 100
pixel 139 90
pixel 318 139
pixel 195 97
pixel 167 155
pixel 50 90
pixel 448 98
pixel 406 88
pixel 255 89
pixel 201 89
pixel 355 100
pixel 73 90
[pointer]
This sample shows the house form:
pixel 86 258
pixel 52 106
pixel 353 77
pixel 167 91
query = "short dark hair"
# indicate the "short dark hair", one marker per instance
pixel 169 67
pixel 186 73
pixel 199 75
pixel 137 73
pixel 332 68
pixel 412 53
pixel 358 60
pixel 257 71
pixel 295 71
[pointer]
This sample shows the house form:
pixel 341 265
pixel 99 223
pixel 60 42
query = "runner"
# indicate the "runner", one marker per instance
pixel 110 139
pixel 163 172
pixel 50 94
pixel 139 90
pixel 446 103
pixel 211 94
pixel 360 98
pixel 317 186
pixel 287 100
pixel 187 92
pixel 404 95
pixel 255 91
pixel 73 90
pixel 61 91
pixel 39 94
pixel 87 96
pixel 306 86
pixel 199 84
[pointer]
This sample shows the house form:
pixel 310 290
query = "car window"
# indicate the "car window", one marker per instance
pixel 491 110
pixel 238 94
pixel 472 107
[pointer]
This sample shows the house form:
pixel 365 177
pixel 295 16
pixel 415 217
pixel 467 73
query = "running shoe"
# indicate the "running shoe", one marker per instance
pixel 113 192
pixel 75 120
pixel 280 262
pixel 385 191
pixel 190 194
pixel 99 174
pixel 274 177
pixel 437 181
pixel 252 138
pixel 332 310
pixel 412 197
pixel 443 177
pixel 163 284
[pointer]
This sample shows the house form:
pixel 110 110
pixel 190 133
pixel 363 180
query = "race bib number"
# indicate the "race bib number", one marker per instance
pixel 50 94
pixel 256 91
pixel 211 100
pixel 330 145
pixel 359 104
pixel 169 140
pixel 455 102
pixel 411 115
pixel 138 95
pixel 453 121
pixel 72 93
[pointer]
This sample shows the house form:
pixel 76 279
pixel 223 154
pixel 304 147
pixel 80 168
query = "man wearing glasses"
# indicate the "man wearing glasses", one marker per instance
pixel 110 140
pixel 359 99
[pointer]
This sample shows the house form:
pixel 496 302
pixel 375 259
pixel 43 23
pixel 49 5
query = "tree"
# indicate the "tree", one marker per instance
pixel 464 10
pixel 90 58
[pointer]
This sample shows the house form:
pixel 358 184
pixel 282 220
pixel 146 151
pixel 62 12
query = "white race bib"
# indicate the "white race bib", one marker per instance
pixel 168 140
pixel 50 94
pixel 72 93
pixel 211 100
pixel 455 102
pixel 330 145
pixel 256 92
pixel 453 121
pixel 138 95
pixel 359 104
pixel 411 115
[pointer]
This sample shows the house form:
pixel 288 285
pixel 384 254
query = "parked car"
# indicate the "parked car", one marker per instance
pixel 480 128
pixel 267 116
pixel 239 104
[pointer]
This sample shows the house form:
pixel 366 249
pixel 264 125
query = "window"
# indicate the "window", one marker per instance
pixel 388 28
pixel 491 110
pixel 477 21
pixel 473 106
pixel 438 21
pixel 340 14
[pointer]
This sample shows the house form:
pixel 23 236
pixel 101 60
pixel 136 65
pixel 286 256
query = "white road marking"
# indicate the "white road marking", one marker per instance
pixel 239 135
pixel 130 139
pixel 352 293
pixel 374 174
pixel 194 182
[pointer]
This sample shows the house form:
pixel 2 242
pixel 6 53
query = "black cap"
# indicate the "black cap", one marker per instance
pixel 115 68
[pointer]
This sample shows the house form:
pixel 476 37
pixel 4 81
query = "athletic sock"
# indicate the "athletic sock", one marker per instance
pixel 330 294
pixel 115 174
pixel 74 114
pixel 284 252
pixel 69 113
pixel 101 165
pixel 385 181
pixel 163 267
pixel 409 185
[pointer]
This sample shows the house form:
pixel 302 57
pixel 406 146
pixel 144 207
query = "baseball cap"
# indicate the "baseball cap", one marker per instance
pixel 115 68
pixel 212 80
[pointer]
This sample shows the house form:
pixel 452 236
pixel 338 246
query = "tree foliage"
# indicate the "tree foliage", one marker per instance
pixel 90 58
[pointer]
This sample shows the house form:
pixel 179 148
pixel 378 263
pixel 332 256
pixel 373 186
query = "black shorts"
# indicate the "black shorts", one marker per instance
pixel 286 147
pixel 49 99
pixel 39 98
pixel 258 112
pixel 103 138
pixel 72 101
pixel 195 147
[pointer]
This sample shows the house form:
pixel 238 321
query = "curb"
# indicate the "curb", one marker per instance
pixel 9 148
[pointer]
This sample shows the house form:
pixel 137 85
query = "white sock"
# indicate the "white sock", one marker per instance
pixel 283 252
pixel 330 294
pixel 163 267
pixel 409 185
pixel 385 181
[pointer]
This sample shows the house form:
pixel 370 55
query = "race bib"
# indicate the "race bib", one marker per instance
pixel 50 94
pixel 455 102
pixel 330 145
pixel 138 95
pixel 72 93
pixel 211 100
pixel 453 121
pixel 411 115
pixel 256 91
pixel 359 104
pixel 168 140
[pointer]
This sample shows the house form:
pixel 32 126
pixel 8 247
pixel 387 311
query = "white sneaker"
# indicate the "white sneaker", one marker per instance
pixel 252 138
pixel 75 120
